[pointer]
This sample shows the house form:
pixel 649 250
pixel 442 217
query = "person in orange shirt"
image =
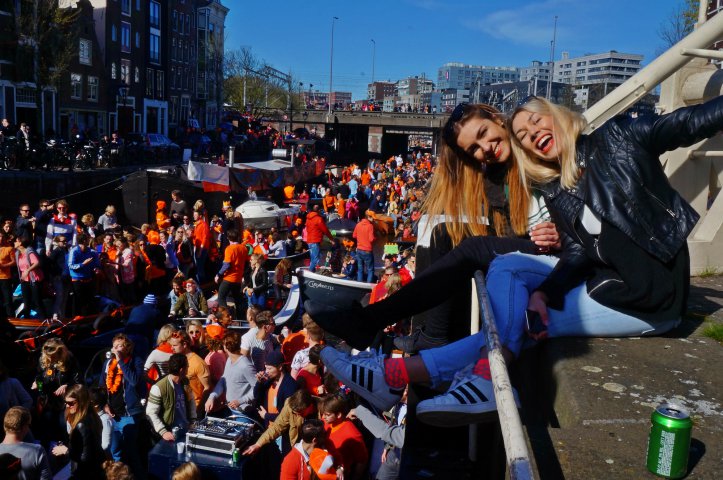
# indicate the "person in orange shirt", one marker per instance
pixel 366 179
pixel 328 202
pixel 7 261
pixel 201 244
pixel 289 192
pixel 230 276
pixel 345 442
pixel 340 205
pixel 162 219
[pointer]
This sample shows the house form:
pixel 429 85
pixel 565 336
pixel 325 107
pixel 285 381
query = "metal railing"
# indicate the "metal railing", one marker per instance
pixel 516 452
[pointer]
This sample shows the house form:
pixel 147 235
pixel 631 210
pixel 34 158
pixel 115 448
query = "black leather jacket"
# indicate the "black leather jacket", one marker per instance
pixel 625 185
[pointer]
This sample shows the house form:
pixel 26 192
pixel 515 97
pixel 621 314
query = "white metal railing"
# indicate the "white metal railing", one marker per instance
pixel 518 457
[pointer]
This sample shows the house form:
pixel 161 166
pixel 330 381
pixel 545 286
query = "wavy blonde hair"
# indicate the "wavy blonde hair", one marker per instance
pixel 567 127
pixel 54 354
pixel 458 188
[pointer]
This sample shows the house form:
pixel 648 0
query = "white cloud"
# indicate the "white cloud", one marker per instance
pixel 531 24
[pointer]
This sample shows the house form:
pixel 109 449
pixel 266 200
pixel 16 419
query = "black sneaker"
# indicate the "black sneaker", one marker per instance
pixel 417 341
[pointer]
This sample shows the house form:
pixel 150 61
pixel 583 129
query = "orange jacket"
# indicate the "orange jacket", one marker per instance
pixel 202 235
pixel 316 228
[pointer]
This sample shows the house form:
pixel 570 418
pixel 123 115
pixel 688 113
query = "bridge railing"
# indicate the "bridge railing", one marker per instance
pixel 518 457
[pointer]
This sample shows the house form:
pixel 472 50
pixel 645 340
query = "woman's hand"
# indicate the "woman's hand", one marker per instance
pixel 169 437
pixel 60 391
pixel 545 235
pixel 234 404
pixel 262 412
pixel 538 304
pixel 60 450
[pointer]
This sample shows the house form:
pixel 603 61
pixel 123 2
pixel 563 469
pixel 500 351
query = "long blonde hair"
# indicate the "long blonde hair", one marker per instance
pixel 567 127
pixel 458 188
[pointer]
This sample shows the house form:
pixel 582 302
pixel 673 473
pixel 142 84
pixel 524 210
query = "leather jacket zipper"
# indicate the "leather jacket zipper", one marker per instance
pixel 596 244
pixel 601 284
pixel 660 202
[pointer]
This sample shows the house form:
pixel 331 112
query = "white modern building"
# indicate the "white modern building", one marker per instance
pixel 463 76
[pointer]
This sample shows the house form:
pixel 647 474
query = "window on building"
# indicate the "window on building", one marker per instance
pixel 154 48
pixel 160 84
pixel 125 37
pixel 173 77
pixel 174 26
pixel 126 7
pixel 154 16
pixel 173 110
pixel 76 86
pixel 113 71
pixel 188 24
pixel 149 82
pixel 85 55
pixel 138 5
pixel 125 72
pixel 173 49
pixel 113 33
pixel 93 89
pixel 137 75
pixel 138 39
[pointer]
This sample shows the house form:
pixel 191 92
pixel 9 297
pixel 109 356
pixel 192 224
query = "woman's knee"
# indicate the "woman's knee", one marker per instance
pixel 509 263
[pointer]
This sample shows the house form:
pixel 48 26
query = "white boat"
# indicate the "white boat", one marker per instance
pixel 264 214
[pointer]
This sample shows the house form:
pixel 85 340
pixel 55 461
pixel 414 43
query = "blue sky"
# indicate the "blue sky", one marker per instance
pixel 418 36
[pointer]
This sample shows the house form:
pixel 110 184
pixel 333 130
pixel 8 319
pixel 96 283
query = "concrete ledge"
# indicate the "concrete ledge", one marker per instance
pixel 601 392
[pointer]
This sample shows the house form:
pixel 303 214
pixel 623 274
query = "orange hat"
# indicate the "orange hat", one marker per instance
pixel 160 205
pixel 216 332
pixel 323 464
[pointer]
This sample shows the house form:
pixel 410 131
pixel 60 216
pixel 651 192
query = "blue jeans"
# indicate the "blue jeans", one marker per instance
pixel 124 443
pixel 365 261
pixel 314 254
pixel 510 281
pixel 257 299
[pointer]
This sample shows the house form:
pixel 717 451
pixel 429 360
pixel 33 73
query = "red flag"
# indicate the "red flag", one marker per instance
pixel 215 187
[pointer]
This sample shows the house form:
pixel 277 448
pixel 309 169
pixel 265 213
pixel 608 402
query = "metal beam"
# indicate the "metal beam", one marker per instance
pixel 649 77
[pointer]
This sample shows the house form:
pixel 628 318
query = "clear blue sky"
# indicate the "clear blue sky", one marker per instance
pixel 418 36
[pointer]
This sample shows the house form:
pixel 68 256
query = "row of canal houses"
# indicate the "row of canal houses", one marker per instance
pixel 150 66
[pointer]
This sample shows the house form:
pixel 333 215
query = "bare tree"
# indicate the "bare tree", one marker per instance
pixel 47 34
pixel 251 83
pixel 679 23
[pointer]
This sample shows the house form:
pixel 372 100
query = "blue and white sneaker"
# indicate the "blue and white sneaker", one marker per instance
pixel 364 374
pixel 470 399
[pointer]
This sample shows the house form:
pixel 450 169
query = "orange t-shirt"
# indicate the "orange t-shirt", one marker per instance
pixel 292 344
pixel 6 256
pixel 236 255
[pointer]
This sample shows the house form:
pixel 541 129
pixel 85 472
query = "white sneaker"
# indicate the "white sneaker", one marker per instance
pixel 364 374
pixel 470 399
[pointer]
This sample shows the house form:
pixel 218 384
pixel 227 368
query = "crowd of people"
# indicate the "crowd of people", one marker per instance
pixel 177 359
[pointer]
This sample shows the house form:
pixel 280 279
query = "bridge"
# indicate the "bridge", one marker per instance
pixel 359 136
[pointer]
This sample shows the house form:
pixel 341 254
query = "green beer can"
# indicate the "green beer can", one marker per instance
pixel 669 441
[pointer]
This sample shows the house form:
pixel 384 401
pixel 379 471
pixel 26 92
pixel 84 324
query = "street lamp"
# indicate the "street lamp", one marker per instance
pixel 374 55
pixel 331 60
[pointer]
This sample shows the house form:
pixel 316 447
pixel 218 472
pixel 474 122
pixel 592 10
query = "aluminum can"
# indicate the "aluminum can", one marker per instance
pixel 176 431
pixel 669 441
pixel 236 456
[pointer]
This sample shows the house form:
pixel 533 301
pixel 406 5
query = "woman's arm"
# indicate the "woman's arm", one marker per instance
pixel 680 128
pixel 572 269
